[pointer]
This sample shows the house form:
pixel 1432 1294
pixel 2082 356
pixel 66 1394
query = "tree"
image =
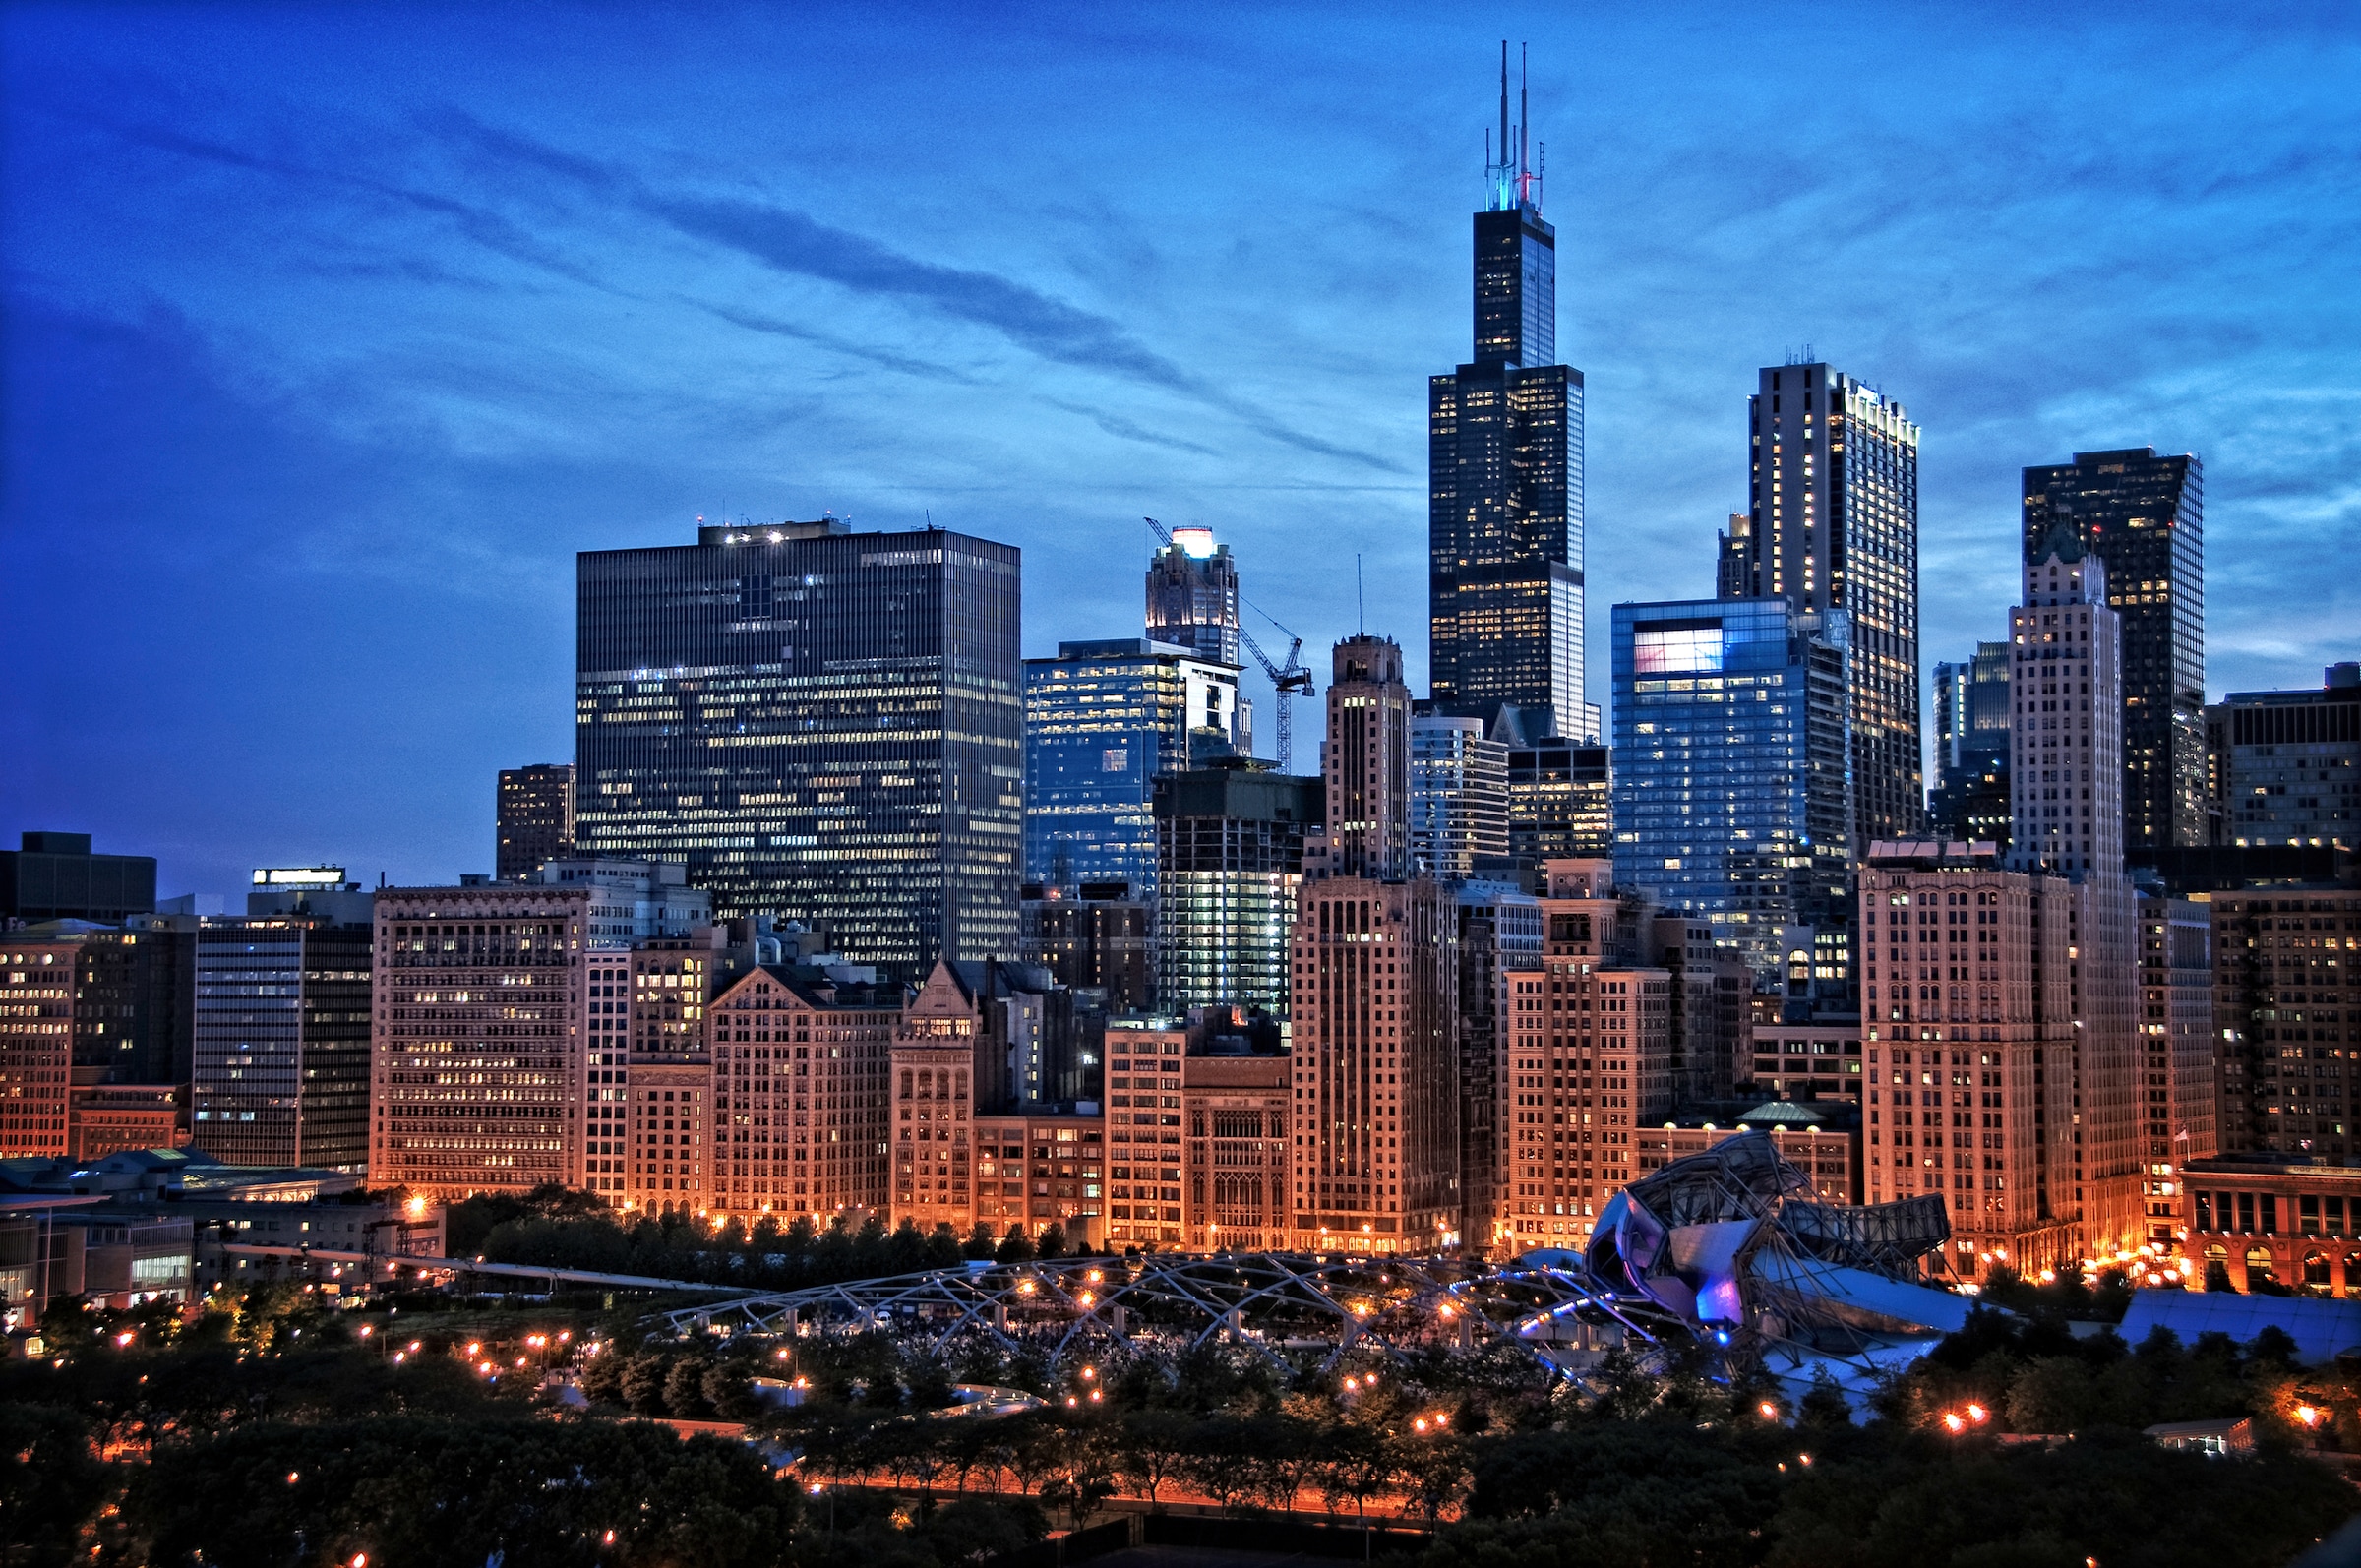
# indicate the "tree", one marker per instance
pixel 1015 1247
pixel 1154 1445
pixel 979 1245
pixel 684 1389
pixel 644 1382
pixel 1053 1240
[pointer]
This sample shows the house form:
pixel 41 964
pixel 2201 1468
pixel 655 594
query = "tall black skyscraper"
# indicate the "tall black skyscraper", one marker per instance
pixel 2145 516
pixel 823 725
pixel 1504 465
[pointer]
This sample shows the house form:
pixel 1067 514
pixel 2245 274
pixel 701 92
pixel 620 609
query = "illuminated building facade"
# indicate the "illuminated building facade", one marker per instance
pixel 1561 803
pixel 2066 772
pixel 1147 1188
pixel 36 1043
pixel 1970 1038
pixel 2287 1020
pixel 1038 1169
pixel 282 1042
pixel 1458 796
pixel 1590 1063
pixel 1375 1066
pixel 822 726
pixel 1094 940
pixel 1498 933
pixel 1833 525
pixel 479 1062
pixel 1230 845
pixel 2176 1051
pixel 535 819
pixel 1365 763
pixel 1103 721
pixel 667 1081
pixel 1505 478
pixel 2143 516
pixel 934 1063
pixel 1236 1152
pixel 1192 596
pixel 1733 790
pixel 801 1073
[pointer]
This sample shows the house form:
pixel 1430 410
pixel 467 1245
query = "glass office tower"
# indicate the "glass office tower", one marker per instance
pixel 1733 796
pixel 282 1038
pixel 1833 525
pixel 1230 850
pixel 1102 721
pixel 1505 481
pixel 823 726
pixel 2145 516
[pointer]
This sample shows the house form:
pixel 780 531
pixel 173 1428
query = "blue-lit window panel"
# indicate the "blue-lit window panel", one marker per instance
pixel 1731 781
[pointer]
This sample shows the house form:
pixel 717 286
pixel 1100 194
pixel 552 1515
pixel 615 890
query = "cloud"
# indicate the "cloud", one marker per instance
pixel 755 322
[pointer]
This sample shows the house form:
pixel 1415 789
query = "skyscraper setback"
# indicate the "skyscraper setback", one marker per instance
pixel 1833 525
pixel 2143 516
pixel 1505 478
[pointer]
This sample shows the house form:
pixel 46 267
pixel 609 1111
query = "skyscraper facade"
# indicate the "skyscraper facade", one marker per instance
pixel 1505 478
pixel 1458 796
pixel 1560 802
pixel 1365 763
pixel 36 1043
pixel 823 725
pixel 536 818
pixel 1230 847
pixel 1732 793
pixel 2066 774
pixel 1103 719
pixel 1833 525
pixel 1969 801
pixel 2145 516
pixel 55 877
pixel 280 1074
pixel 1376 1067
pixel 478 1067
pixel 2286 765
pixel 1192 596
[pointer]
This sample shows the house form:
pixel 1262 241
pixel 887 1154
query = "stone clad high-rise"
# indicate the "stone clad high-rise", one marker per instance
pixel 2143 516
pixel 1505 480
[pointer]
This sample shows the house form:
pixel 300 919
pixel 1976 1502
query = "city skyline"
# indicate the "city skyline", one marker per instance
pixel 345 386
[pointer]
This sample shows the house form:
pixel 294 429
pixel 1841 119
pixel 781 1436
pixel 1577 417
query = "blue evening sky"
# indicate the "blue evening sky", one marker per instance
pixel 332 332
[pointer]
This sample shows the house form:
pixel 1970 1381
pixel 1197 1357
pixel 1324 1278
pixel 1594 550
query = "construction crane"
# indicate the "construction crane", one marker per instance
pixel 1290 680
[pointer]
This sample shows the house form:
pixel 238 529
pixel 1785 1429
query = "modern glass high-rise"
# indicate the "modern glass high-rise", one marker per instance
pixel 1560 802
pixel 1192 596
pixel 536 818
pixel 2143 516
pixel 1458 796
pixel 282 1041
pixel 1103 719
pixel 1833 525
pixel 823 726
pixel 1733 797
pixel 1505 478
pixel 1969 800
pixel 1230 848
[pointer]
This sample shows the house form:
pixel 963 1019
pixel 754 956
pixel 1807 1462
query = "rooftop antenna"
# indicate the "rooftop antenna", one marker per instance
pixel 1361 620
pixel 1524 111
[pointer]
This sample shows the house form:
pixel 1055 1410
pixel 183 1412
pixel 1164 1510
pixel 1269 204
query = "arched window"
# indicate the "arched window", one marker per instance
pixel 2257 1266
pixel 2316 1272
pixel 2352 1272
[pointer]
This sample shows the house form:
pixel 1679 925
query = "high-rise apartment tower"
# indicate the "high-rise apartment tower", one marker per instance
pixel 1192 596
pixel 536 818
